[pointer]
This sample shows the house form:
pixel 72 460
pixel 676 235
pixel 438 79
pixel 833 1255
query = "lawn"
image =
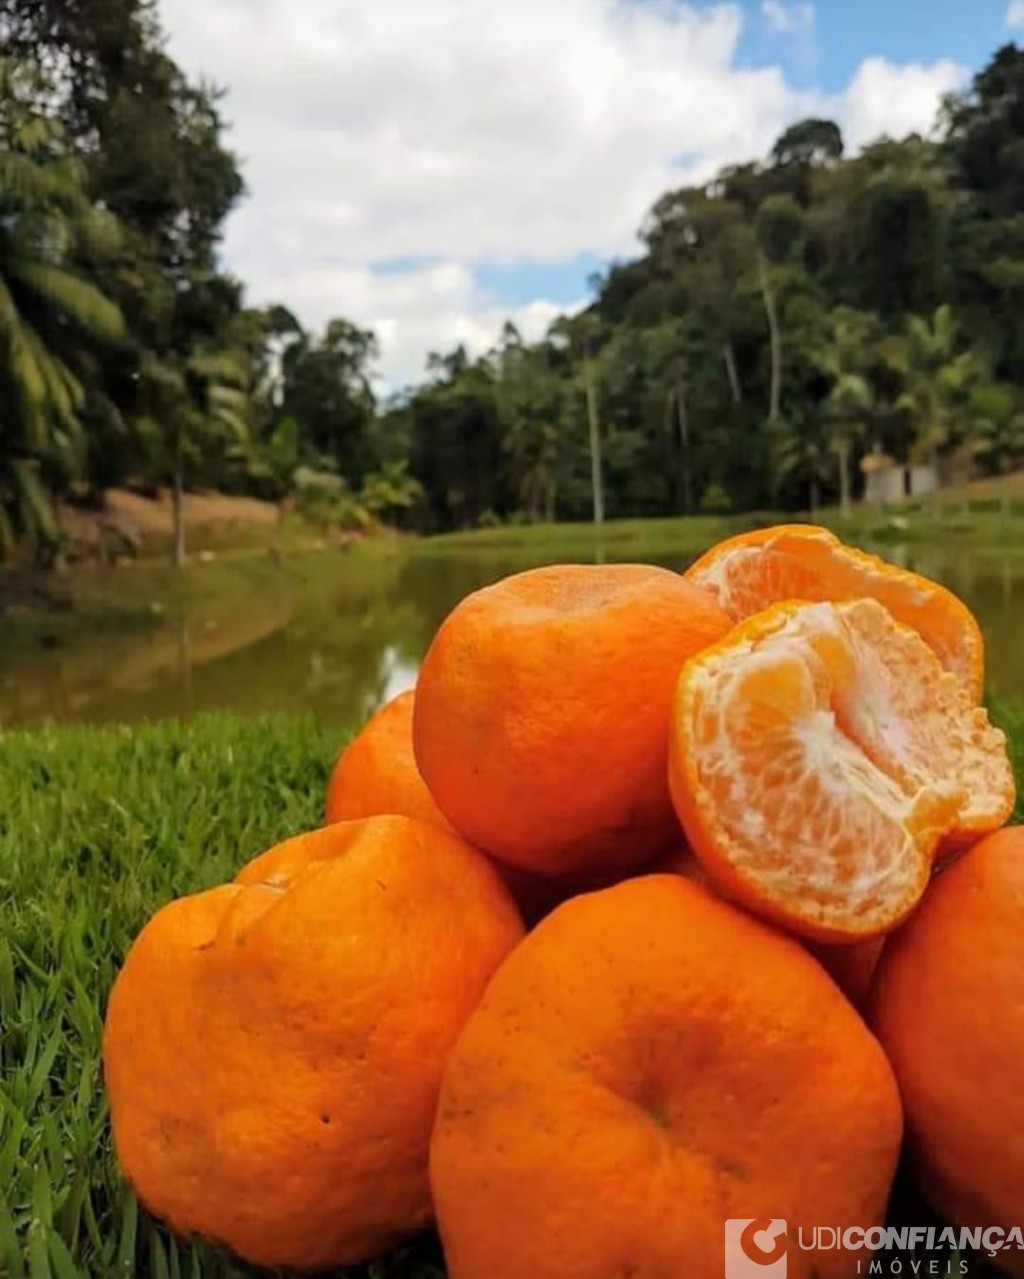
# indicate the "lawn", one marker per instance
pixel 97 829
pixel 979 523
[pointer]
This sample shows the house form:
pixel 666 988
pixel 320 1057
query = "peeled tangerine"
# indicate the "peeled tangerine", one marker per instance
pixel 273 1047
pixel 819 756
pixel 746 574
pixel 648 1064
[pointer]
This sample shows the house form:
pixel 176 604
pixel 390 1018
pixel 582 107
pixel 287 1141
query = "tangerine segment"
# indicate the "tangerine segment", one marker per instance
pixel 818 754
pixel 648 1063
pixel 803 562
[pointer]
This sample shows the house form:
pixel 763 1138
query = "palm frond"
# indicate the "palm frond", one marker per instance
pixel 233 423
pixel 9 318
pixel 219 366
pixel 8 541
pixel 98 233
pixel 29 385
pixel 76 299
pixel 65 395
pixel 36 509
pixel 25 183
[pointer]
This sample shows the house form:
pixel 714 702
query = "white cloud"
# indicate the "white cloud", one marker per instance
pixel 785 19
pixel 451 132
pixel 1015 13
pixel 391 129
pixel 884 99
pixel 413 311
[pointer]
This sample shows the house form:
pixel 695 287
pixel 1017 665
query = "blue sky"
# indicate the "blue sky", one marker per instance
pixel 845 32
pixel 429 168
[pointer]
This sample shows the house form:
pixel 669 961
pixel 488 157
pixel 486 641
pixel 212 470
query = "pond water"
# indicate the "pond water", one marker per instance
pixel 349 645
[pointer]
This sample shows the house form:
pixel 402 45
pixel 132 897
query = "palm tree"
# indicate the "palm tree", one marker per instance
pixel 937 376
pixel 671 355
pixel 997 416
pixel 202 400
pixel 581 333
pixel 51 315
pixel 530 402
pixel 850 401
pixel 802 451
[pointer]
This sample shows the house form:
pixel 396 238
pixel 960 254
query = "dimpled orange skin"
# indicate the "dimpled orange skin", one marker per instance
pixel 747 573
pixel 273 1047
pixel 542 709
pixel 647 1064
pixel 376 773
pixel 852 967
pixel 948 1006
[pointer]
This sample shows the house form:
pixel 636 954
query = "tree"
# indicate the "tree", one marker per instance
pixel 809 143
pixel 581 333
pixel 882 228
pixel 997 417
pixel 51 316
pixel 455 442
pixel 985 153
pixel 803 453
pixel 327 390
pixel 779 230
pixel 937 375
pixel 152 141
pixel 984 132
pixel 529 397
pixel 851 398
pixel 705 243
pixel 675 350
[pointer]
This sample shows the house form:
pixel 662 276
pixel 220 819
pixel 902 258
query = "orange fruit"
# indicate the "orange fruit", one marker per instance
pixel 649 1063
pixel 948 1006
pixel 818 755
pixel 541 721
pixel 273 1047
pixel 745 574
pixel 851 967
pixel 376 773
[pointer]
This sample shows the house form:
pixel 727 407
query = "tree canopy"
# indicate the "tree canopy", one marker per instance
pixel 778 325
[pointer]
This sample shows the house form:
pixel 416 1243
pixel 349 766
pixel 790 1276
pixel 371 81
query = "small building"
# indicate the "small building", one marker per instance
pixel 884 479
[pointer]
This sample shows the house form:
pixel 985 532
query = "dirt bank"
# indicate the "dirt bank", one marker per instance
pixel 129 523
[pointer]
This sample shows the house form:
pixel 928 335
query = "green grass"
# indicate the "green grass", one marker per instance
pixel 97 829
pixel 639 536
pixel 980 524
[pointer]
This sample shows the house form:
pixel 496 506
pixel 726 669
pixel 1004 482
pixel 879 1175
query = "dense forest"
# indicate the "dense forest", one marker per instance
pixel 795 324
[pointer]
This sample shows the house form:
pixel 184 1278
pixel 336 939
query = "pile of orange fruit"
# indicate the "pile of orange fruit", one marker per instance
pixel 663 900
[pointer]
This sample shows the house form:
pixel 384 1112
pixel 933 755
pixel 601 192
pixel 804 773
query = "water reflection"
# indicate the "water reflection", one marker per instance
pixel 342 650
